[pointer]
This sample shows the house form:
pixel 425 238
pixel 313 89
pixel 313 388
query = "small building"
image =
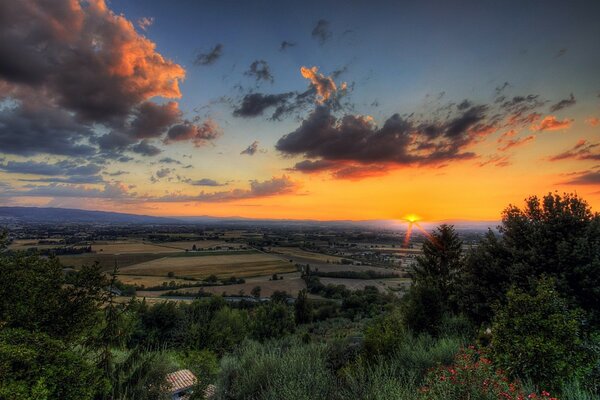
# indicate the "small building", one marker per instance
pixel 181 383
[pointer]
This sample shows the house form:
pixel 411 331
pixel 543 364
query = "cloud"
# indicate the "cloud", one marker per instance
pixel 511 144
pixel 563 104
pixel 145 22
pixel 260 70
pixel 211 57
pixel 585 178
pixel 252 149
pixel 70 70
pixel 30 128
pixel 169 160
pixel 325 86
pixel 272 187
pixel 255 104
pixel 583 150
pixel 151 119
pixel 108 191
pixel 321 31
pixel 551 123
pixel 286 44
pixel 146 149
pixel 89 179
pixel 198 134
pixel 66 168
pixel 334 143
pixel 593 121
pixel 203 182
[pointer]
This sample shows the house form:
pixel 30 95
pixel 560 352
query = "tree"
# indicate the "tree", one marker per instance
pixel 556 236
pixel 537 336
pixel 423 308
pixel 255 292
pixel 34 296
pixel 272 321
pixel 302 308
pixel 441 261
pixel 35 366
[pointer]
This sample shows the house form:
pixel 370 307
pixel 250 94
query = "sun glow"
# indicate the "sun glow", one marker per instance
pixel 412 220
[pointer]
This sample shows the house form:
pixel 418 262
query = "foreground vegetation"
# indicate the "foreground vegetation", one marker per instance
pixel 515 317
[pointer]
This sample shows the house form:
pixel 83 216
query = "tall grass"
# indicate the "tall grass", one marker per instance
pixel 283 370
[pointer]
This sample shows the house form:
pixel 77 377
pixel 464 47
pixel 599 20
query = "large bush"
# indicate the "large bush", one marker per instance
pixel 537 336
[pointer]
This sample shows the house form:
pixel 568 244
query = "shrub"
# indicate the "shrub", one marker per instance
pixel 537 336
pixel 473 376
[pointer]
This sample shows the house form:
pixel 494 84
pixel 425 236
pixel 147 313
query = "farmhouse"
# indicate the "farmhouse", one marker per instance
pixel 181 383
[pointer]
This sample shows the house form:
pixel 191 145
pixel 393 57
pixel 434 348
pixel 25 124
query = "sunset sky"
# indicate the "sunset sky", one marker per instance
pixel 298 110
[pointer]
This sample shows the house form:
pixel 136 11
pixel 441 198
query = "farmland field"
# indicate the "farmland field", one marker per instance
pixel 292 286
pixel 360 284
pixel 239 265
pixel 306 255
pixel 107 261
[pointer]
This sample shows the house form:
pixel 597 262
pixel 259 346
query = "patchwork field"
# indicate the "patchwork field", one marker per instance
pixel 360 284
pixel 201 266
pixel 149 281
pixel 107 261
pixel 292 286
pixel 131 247
pixel 306 256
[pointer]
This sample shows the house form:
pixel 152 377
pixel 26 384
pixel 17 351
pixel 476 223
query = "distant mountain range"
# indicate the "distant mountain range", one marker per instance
pixel 68 215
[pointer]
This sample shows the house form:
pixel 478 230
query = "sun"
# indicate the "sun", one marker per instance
pixel 411 218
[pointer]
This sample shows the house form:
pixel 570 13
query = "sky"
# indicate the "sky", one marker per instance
pixel 323 110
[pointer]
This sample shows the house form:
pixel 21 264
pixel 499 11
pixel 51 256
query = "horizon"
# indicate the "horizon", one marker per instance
pixel 317 111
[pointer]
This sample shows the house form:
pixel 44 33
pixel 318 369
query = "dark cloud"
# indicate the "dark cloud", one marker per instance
pixel 321 31
pixel 117 173
pixel 255 104
pixel 90 179
pixel 285 45
pixel 355 138
pixel 583 150
pixel 146 149
pixel 211 57
pixel 203 182
pixel 585 178
pixel 563 104
pixel 73 69
pixel 66 168
pixel 169 160
pixel 29 128
pixel 251 149
pixel 200 135
pixel 260 70
pixel 151 119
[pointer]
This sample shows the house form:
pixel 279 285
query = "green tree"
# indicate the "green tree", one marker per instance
pixel 35 366
pixel 441 261
pixel 302 308
pixel 272 320
pixel 537 336
pixel 34 296
pixel 556 236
